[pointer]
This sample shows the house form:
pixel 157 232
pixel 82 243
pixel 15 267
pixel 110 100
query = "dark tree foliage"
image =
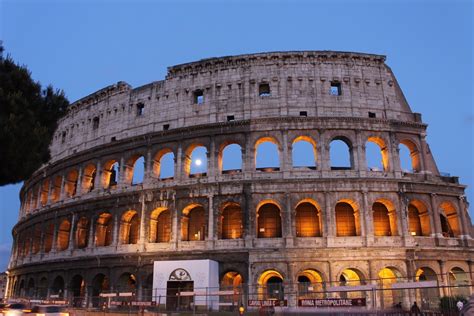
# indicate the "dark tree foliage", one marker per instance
pixel 28 118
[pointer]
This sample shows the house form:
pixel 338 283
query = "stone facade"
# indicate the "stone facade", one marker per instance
pixel 81 231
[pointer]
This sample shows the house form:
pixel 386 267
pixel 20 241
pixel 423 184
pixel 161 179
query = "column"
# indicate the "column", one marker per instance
pixel 90 242
pixel 116 229
pixel 330 216
pixel 437 231
pixel 210 235
pixel 178 168
pixel 423 150
pixel 143 220
pixel 55 235
pixel 79 182
pixel 442 269
pixel 98 176
pixel 324 155
pixel 71 232
pixel 212 159
pixel 61 192
pixel 403 220
pixel 362 164
pixel 122 170
pixel 394 152
pixel 368 220
pixel 148 167
pixel 285 160
pixel 248 154
pixel 464 221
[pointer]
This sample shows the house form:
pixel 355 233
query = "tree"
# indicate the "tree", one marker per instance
pixel 28 118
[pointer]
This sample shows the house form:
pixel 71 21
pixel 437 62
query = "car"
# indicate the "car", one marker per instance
pixel 48 310
pixel 15 309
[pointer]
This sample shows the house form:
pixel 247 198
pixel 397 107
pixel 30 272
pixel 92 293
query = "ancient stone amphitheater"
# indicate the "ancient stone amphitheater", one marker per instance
pixel 277 231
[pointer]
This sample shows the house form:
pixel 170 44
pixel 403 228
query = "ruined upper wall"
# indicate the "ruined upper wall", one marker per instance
pixel 299 82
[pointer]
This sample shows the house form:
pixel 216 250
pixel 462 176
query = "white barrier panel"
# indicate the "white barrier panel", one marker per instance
pixel 414 285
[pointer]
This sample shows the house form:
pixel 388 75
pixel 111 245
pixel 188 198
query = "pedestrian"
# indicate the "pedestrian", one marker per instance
pixel 460 305
pixel 415 309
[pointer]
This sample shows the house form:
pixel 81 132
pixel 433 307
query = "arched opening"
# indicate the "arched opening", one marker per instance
pixel 42 288
pixel 459 282
pixel 88 178
pixel 451 226
pixel 48 236
pixel 340 154
pixel 308 221
pixel 57 288
pixel 195 161
pixel 271 285
pixel 44 192
pixel 78 290
pixel 34 198
pixel 418 219
pixel 410 160
pixel 56 189
pixel 193 223
pixel 127 282
pixel 30 289
pixel 269 221
pixel 82 232
pixel 135 170
pixel 231 221
pixel 267 157
pixel 231 281
pixel 70 186
pixel 310 284
pixel 110 174
pixel 148 288
pixel 36 238
pixel 230 158
pixel 163 164
pixel 376 154
pixel 304 152
pixel 100 284
pixel 347 219
pixel 351 277
pixel 387 277
pixel 129 227
pixel 381 220
pixel 429 296
pixel 160 225
pixel 63 235
pixel 103 230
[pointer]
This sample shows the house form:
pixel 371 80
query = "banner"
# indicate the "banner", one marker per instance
pixel 332 302
pixel 267 303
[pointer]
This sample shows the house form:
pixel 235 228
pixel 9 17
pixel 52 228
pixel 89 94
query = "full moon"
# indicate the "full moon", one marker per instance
pixel 198 162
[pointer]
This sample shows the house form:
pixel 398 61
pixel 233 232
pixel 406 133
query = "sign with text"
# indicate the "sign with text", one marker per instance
pixel 267 303
pixel 332 302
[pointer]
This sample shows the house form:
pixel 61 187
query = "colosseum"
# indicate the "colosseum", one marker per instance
pixel 224 213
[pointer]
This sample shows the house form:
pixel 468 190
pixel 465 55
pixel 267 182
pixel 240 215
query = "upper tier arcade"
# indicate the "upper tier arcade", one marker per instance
pixel 245 87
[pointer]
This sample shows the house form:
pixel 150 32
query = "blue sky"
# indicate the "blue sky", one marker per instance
pixel 82 46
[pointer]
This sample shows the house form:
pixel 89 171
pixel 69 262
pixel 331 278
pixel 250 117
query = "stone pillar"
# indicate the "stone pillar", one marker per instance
pixel 285 154
pixel 117 223
pixel 290 289
pixel 423 150
pixel 38 200
pixel 325 155
pixel 212 159
pixel 71 232
pixel 437 231
pixel 54 244
pixel 175 225
pixel 395 155
pixel 148 174
pixel 179 170
pixel 362 163
pixel 78 182
pixel 463 220
pixel 287 221
pixel 90 242
pixel 143 220
pixel 122 169
pixel 368 220
pixel 443 276
pixel 330 216
pixel 63 184
pixel 403 218
pixel 98 177
pixel 210 235
pixel 248 156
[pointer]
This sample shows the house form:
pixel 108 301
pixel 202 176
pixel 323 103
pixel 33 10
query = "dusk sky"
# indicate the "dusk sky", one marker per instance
pixel 83 46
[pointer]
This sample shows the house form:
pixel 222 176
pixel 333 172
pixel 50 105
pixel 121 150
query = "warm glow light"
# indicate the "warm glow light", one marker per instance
pixel 413 233
pixel 198 162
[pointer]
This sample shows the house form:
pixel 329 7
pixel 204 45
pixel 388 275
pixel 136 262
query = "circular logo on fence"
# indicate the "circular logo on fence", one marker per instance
pixel 180 275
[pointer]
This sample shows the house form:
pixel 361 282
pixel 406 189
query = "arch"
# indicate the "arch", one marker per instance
pixel 148 288
pixel 103 230
pixel 193 223
pixel 376 154
pixel 127 282
pixel 231 226
pixel 82 232
pixel 100 283
pixel 129 227
pixel 347 219
pixel 267 154
pixel 70 185
pixel 42 292
pixel 63 235
pixel 269 220
pixel 77 288
pixel 229 159
pixel 44 192
pixel 231 281
pixel 36 238
pixel 163 164
pixel 418 219
pixel 134 170
pixel 351 277
pixel 340 153
pixel 271 285
pixel 308 219
pixel 57 288
pixel 451 228
pixel 48 236
pixel 414 159
pixel 56 189
pixel 110 174
pixel 304 152
pixel 310 281
pixel 195 161
pixel 388 276
pixel 30 288
pixel 381 220
pixel 160 225
pixel 459 282
pixel 429 297
pixel 88 178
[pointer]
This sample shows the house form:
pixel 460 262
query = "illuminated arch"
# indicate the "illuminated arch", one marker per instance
pixel 70 187
pixel 88 178
pixel 110 174
pixel 56 189
pixel 384 218
pixel 308 220
pixel 160 225
pixel 129 227
pixel 418 219
pixel 193 223
pixel 104 230
pixel 388 276
pixel 347 218
pixel 82 232
pixel 127 282
pixel 301 145
pixel 452 225
pixel 230 221
pixel 343 146
pixel 271 285
pixel 189 157
pixel 270 152
pixel 160 164
pixel 63 235
pixel 44 192
pixel 269 220
pixel 133 174
pixel 384 154
pixel 414 154
pixel 229 158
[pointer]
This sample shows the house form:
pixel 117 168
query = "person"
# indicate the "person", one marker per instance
pixel 460 305
pixel 415 309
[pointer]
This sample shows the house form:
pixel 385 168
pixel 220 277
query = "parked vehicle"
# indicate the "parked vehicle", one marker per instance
pixel 48 310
